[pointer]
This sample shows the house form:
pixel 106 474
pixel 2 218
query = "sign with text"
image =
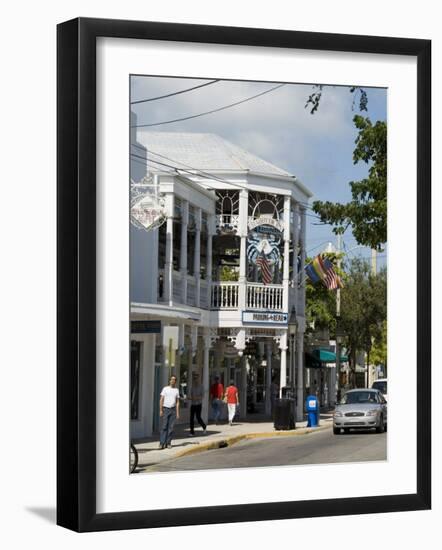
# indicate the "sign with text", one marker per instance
pixel 267 317
pixel 145 327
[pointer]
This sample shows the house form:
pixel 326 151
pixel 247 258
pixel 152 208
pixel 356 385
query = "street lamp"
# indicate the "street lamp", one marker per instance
pixel 292 328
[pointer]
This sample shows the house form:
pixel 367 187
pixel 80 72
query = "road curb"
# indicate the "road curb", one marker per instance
pixel 229 441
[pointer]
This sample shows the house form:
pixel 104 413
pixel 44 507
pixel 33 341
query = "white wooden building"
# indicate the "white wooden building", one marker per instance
pixel 224 267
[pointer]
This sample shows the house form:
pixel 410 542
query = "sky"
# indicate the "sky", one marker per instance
pixel 317 149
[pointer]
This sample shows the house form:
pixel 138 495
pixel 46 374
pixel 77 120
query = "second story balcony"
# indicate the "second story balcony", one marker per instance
pixel 226 295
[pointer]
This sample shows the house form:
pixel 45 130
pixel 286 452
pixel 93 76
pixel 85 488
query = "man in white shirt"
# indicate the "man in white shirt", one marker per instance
pixel 169 412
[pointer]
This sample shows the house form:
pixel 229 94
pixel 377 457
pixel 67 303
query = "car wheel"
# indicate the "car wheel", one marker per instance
pixel 381 428
pixel 337 431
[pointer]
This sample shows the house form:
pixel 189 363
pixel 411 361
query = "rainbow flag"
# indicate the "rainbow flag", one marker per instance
pixel 321 269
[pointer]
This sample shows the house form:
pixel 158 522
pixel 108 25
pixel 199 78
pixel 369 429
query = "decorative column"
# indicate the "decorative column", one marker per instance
pixel 168 267
pixel 243 392
pixel 192 353
pixel 283 368
pixel 205 377
pixel 242 229
pixel 295 239
pixel 210 224
pixel 286 261
pixel 183 251
pixel 300 377
pixel 301 296
pixel 197 257
pixel 268 402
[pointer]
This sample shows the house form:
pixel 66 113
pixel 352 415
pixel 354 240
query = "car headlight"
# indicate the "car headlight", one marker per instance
pixel 338 413
pixel 372 412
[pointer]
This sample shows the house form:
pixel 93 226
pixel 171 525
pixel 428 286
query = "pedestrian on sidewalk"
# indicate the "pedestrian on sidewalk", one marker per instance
pixel 169 412
pixel 216 394
pixel 232 400
pixel 196 399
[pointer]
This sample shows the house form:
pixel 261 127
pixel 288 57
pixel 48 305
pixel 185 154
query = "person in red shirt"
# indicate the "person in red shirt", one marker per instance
pixel 232 399
pixel 216 394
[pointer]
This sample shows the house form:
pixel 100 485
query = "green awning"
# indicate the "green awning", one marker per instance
pixel 327 356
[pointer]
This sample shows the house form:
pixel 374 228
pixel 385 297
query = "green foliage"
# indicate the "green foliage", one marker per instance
pixel 314 99
pixel 363 308
pixel 228 274
pixel 367 211
pixel 321 303
pixel 379 349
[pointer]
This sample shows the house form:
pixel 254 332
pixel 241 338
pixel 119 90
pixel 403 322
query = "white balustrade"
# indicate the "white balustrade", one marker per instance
pixel 191 291
pixel 258 296
pixel 225 295
pixel 264 297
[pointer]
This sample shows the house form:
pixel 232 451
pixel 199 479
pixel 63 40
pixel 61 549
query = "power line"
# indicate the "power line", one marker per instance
pixel 209 112
pixel 201 173
pixel 195 172
pixel 174 93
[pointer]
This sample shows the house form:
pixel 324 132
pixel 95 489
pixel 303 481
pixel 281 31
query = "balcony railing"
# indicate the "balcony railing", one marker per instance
pixel 266 297
pixel 258 296
pixel 225 295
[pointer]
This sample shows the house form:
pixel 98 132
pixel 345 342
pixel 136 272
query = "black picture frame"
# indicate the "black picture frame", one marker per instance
pixel 76 274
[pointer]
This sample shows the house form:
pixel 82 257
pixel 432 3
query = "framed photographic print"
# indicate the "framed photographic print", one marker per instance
pixel 243 274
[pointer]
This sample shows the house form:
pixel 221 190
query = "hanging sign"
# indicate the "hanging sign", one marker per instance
pixel 147 209
pixel 268 318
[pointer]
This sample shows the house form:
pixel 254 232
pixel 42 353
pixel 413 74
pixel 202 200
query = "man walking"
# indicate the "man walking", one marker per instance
pixel 232 398
pixel 216 393
pixel 196 398
pixel 169 412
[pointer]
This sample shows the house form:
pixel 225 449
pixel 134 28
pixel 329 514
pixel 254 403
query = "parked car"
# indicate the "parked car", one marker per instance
pixel 381 385
pixel 361 409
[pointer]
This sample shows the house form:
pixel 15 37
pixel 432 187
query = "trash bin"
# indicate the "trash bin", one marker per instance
pixel 283 414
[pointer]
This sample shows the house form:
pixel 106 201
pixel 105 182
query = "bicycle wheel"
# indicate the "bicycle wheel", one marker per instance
pixel 133 458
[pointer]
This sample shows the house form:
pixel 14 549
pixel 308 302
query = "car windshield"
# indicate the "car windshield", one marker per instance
pixel 359 397
pixel 381 386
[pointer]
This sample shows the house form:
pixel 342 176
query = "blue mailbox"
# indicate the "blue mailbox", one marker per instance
pixel 312 408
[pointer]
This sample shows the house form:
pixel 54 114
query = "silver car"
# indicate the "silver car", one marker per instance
pixel 361 409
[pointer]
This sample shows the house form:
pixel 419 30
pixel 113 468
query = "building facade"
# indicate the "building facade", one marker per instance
pixel 225 267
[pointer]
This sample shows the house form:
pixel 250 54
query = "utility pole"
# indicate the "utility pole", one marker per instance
pixel 374 268
pixel 338 328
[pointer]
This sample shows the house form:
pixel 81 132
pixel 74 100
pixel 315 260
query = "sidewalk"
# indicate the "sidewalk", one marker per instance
pixel 217 436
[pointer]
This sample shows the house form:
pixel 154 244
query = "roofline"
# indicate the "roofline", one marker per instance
pixel 269 175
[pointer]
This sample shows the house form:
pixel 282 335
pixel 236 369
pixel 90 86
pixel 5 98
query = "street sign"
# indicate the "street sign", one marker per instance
pixel 145 327
pixel 265 317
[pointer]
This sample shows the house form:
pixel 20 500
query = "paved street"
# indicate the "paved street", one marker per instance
pixel 315 448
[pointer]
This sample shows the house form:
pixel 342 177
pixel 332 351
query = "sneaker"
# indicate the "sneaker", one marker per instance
pixel 191 434
pixel 161 446
pixel 204 431
pixel 169 446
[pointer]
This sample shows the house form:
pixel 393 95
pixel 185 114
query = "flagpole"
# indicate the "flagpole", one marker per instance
pixel 338 316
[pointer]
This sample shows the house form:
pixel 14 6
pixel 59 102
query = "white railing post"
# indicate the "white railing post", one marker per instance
pixel 183 251
pixel 243 217
pixel 168 267
pixel 286 262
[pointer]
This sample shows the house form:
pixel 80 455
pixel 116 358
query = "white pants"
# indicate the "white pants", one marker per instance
pixel 232 411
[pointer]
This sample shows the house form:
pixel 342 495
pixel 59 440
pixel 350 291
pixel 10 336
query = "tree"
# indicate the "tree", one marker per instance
pixel 320 303
pixel 314 99
pixel 363 309
pixel 367 211
pixel 379 349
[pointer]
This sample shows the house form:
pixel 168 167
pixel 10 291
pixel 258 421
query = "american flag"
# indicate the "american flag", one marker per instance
pixel 266 273
pixel 331 280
